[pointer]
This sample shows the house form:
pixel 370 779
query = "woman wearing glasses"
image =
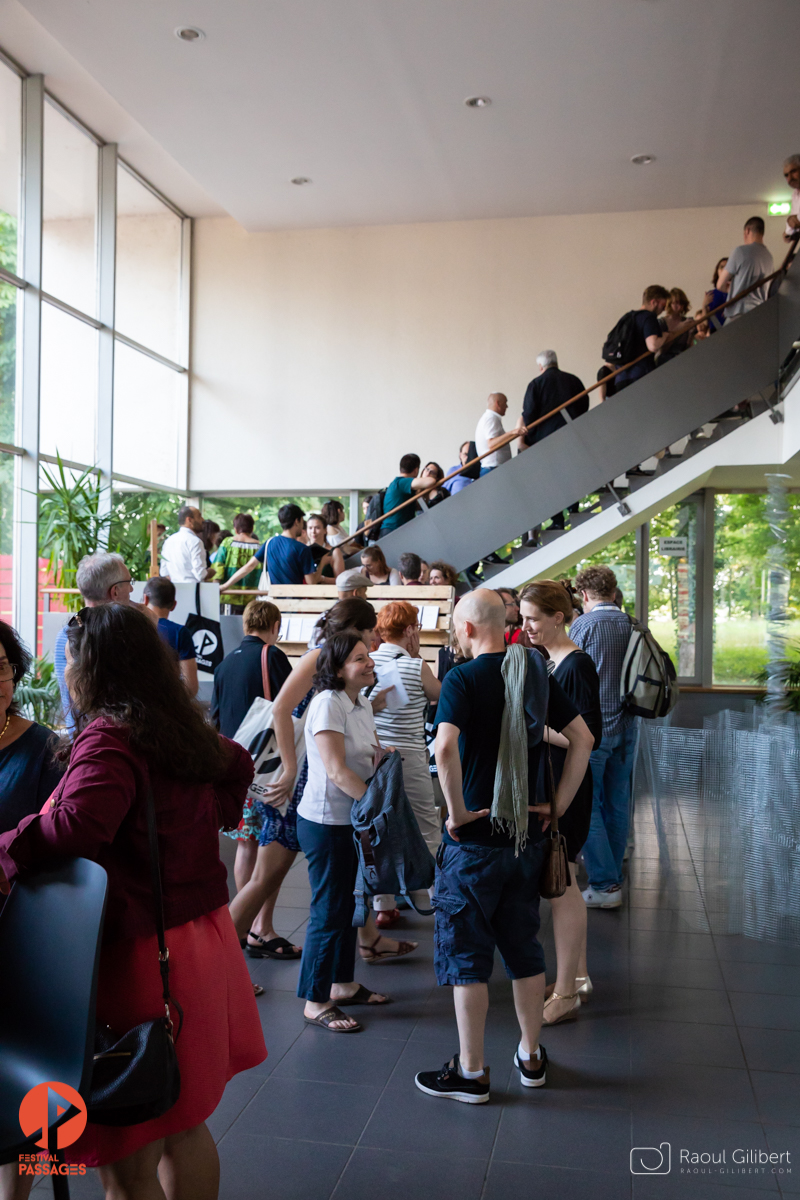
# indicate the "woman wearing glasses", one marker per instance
pixel 28 770
pixel 138 729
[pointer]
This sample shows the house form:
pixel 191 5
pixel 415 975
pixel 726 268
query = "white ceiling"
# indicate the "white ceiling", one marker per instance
pixel 366 98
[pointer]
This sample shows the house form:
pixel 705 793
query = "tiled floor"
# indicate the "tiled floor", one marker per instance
pixel 689 1039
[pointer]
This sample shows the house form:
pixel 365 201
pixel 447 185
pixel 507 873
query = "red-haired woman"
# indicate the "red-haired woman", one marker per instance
pixel 404 727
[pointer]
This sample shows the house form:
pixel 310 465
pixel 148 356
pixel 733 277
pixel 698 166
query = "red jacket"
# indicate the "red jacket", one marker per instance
pixel 98 812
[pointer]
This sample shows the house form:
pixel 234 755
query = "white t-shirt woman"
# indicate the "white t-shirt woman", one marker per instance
pixel 323 802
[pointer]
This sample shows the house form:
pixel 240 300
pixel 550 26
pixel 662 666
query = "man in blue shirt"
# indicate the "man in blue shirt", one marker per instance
pixel 603 632
pixel 487 887
pixel 289 560
pixel 159 596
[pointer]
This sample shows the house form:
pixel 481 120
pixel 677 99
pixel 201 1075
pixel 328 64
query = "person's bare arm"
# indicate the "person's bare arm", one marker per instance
pixel 580 745
pixel 189 675
pixel 555 739
pixel 724 280
pixel 294 689
pixel 430 684
pixel 448 765
pixel 311 580
pixel 656 341
pixel 330 744
pixel 240 574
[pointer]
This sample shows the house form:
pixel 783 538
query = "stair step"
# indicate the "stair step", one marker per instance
pixel 550 535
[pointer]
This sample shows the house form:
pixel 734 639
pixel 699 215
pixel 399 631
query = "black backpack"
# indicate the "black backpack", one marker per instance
pixel 374 511
pixel 620 345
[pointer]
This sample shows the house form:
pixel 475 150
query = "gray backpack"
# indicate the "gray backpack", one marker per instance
pixel 392 855
pixel 648 685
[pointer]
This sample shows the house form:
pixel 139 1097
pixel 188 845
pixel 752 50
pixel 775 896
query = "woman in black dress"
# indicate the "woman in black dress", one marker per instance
pixel 546 609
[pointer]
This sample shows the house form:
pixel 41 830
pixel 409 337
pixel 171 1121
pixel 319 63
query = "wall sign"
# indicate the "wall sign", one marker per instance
pixel 675 547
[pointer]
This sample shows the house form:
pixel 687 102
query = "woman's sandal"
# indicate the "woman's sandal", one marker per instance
pixel 363 996
pixel 370 955
pixel 277 947
pixel 258 989
pixel 325 1019
pixel 570 1015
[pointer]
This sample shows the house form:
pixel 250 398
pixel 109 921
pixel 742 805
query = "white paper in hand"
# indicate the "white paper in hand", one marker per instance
pixel 389 677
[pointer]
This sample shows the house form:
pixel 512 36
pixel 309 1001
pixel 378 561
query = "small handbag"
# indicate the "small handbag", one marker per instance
pixel 555 877
pixel 136 1077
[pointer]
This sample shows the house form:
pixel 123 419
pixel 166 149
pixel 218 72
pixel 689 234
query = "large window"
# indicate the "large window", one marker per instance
pixel 71 384
pixel 621 557
pixel 69 270
pixel 673 584
pixel 742 539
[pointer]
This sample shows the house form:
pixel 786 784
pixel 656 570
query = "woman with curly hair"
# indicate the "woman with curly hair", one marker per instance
pixel 139 733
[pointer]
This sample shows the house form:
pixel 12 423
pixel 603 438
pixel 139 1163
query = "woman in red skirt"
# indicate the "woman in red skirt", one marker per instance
pixel 137 726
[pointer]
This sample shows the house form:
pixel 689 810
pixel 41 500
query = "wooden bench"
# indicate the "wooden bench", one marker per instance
pixel 301 605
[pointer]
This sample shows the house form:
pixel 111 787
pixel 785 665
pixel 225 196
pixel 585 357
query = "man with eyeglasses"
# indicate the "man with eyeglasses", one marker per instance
pixel 101 578
pixel 791 173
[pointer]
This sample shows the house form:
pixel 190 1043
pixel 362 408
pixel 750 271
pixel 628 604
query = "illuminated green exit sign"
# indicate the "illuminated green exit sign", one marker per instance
pixel 780 208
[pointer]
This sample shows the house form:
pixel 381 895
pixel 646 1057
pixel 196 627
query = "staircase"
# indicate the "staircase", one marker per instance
pixel 666 408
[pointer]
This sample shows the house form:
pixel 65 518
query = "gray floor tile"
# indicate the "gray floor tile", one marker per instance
pixel 685 1042
pixel 407 1117
pixel 777 1096
pixel 703 1005
pixel 336 1112
pixel 590 1083
pixel 696 1187
pixel 693 1091
pixel 772 1050
pixel 676 972
pixel 585 1139
pixel 526 1182
pixel 372 1173
pixel 668 921
pixel 592 1035
pixel 331 1058
pixel 237 1095
pixel 665 897
pixel 256 1166
pixel 766 1012
pixel 765 978
pixel 671 944
pixel 741 949
pixel 784 1141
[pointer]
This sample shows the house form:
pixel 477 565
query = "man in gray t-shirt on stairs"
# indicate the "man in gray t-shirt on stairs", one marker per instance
pixel 747 264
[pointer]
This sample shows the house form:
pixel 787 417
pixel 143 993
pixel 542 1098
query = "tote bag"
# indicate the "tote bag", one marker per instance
pixel 257 734
pixel 206 635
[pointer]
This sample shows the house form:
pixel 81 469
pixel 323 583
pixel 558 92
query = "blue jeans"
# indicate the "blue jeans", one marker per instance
pixel 329 951
pixel 612 764
pixel 486 471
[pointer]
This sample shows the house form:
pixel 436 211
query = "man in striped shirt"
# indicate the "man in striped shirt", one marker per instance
pixel 603 632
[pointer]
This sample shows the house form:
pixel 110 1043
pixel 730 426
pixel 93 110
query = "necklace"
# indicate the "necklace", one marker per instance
pixel 5 727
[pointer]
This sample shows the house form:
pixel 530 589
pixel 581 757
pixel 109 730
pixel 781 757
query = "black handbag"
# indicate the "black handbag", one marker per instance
pixel 206 635
pixel 136 1077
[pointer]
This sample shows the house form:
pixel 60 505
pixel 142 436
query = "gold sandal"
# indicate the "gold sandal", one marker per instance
pixel 570 1015
pixel 584 987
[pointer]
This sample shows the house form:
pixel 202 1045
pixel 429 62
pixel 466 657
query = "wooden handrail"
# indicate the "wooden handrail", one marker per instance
pixel 510 437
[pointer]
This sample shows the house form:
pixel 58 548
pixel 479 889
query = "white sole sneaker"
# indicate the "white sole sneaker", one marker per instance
pixel 526 1078
pixel 598 899
pixel 462 1097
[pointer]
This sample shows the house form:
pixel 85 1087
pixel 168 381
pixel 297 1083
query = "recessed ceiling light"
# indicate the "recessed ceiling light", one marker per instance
pixel 478 101
pixel 189 33
pixel 300 180
pixel 642 160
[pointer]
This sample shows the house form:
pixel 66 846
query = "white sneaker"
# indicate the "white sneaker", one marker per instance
pixel 595 898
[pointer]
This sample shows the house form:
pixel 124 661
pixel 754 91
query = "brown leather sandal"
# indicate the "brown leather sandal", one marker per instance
pixel 370 955
pixel 326 1018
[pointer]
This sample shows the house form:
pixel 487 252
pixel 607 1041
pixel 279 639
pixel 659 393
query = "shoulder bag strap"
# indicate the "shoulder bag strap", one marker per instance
pixel 550 782
pixel 197 599
pixel 155 878
pixel 265 673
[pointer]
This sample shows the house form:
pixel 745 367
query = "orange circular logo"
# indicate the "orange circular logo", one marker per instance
pixel 53 1108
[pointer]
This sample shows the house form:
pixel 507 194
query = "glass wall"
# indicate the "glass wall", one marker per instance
pixel 109 415
pixel 621 557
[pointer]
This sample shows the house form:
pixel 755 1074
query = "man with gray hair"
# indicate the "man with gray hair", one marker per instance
pixel 791 173
pixel 551 388
pixel 101 578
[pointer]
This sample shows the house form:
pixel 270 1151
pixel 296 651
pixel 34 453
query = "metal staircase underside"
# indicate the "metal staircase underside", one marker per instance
pixel 666 407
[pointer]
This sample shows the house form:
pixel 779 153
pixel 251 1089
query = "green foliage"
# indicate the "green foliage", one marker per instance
pixel 263 509
pixel 8 327
pixel 791 664
pixel 37 694
pixel 129 534
pixel 70 523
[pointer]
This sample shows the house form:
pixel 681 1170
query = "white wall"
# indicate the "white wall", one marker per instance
pixel 319 357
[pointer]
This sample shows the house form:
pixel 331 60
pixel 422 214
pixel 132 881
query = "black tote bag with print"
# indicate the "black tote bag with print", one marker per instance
pixel 206 636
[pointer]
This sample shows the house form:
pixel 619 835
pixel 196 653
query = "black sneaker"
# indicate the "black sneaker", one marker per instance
pixel 452 1085
pixel 534 1075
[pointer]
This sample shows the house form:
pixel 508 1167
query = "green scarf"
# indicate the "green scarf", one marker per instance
pixel 510 798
